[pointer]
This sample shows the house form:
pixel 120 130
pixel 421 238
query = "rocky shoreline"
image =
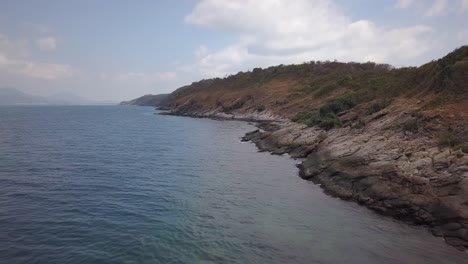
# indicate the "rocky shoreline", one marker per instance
pixel 398 174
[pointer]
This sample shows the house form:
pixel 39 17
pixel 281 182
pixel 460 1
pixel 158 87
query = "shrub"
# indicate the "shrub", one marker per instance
pixel 411 126
pixel 260 108
pixel 417 115
pixel 328 122
pixel 325 90
pixel 312 88
pixel 377 106
pixel 303 117
pixel 315 118
pixel 359 124
pixel 339 104
pixel 326 116
pixel 449 139
pixel 464 148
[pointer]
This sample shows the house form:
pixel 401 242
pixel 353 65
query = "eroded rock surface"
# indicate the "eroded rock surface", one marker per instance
pixel 388 171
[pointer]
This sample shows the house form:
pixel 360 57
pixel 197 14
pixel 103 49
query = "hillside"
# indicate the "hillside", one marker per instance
pixel 392 139
pixel 299 91
pixel 147 100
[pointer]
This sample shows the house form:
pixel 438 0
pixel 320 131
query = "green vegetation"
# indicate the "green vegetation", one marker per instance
pixel 307 118
pixel 260 108
pixel 339 104
pixel 313 87
pixel 449 139
pixel 377 106
pixel 368 79
pixel 329 121
pixel 418 115
pixel 325 90
pixel 456 57
pixel 417 120
pixel 411 126
pixel 359 124
pixel 326 116
pixel 315 118
pixel 342 86
pixel 461 65
pixel 464 148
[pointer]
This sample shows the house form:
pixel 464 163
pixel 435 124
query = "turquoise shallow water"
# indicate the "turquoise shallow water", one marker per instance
pixel 123 185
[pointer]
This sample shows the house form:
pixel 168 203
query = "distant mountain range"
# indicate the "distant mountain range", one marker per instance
pixel 147 100
pixel 11 96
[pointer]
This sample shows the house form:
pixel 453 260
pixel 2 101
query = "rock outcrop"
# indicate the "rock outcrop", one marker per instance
pixel 389 172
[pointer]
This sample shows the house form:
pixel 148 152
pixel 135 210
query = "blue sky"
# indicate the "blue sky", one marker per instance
pixel 116 50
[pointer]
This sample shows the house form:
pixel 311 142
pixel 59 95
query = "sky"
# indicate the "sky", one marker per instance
pixel 117 50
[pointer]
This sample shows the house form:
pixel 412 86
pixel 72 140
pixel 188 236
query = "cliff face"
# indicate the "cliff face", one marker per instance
pixel 394 140
pixel 147 100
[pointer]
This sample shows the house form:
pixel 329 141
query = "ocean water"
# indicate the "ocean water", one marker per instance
pixel 117 184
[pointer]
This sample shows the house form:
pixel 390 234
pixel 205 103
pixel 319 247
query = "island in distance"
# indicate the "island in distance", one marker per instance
pixel 147 100
pixel 11 96
pixel 392 139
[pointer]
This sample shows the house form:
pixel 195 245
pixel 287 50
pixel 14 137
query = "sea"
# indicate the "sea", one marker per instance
pixel 123 184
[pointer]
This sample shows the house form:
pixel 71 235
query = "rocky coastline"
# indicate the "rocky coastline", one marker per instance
pixel 399 174
pixel 392 139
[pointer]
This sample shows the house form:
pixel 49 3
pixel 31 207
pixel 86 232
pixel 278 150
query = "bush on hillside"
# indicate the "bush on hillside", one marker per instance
pixel 411 126
pixel 377 106
pixel 359 124
pixel 464 148
pixel 326 116
pixel 449 139
pixel 339 104
pixel 261 108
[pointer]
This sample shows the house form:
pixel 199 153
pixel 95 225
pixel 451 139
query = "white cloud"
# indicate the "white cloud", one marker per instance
pixel 283 31
pixel 140 77
pixel 403 4
pixel 167 76
pixel 38 70
pixel 438 8
pixel 18 48
pixel 464 5
pixel 463 36
pixel 3 59
pixel 47 43
pixel 46 71
pixel 40 28
pixel 434 8
pixel 201 51
pixel 15 59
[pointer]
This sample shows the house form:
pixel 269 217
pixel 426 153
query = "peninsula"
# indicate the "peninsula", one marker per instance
pixel 392 139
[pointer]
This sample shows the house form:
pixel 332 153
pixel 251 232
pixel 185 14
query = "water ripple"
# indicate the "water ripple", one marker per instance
pixel 121 185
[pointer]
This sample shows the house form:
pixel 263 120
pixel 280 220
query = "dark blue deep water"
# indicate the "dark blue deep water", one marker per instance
pixel 123 185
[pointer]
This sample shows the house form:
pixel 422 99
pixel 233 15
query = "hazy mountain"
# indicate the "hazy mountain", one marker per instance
pixel 68 98
pixel 10 96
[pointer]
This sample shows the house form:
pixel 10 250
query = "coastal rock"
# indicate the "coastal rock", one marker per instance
pixel 386 139
pixel 410 183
